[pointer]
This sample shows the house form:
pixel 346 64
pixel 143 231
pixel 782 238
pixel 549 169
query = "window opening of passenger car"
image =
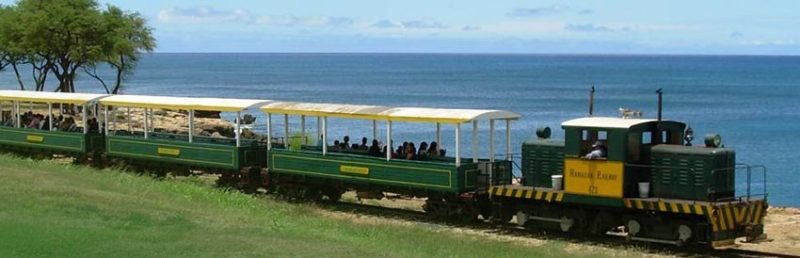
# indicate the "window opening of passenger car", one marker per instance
pixel 474 141
pixel 665 137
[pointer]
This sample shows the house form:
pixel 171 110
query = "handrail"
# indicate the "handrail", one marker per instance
pixel 738 166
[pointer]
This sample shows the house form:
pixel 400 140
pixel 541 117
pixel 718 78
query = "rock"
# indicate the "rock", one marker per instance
pixel 206 114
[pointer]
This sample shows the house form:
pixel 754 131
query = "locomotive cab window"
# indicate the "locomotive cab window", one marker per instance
pixel 594 140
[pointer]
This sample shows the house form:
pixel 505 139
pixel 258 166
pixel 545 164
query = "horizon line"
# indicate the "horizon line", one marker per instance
pixel 482 53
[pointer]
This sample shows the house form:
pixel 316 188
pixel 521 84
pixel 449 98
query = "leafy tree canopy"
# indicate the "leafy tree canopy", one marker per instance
pixel 64 37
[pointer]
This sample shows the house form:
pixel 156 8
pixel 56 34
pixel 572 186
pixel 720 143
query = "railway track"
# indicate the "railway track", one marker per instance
pixel 517 231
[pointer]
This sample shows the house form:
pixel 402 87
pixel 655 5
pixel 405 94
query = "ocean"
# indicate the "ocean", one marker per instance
pixel 752 101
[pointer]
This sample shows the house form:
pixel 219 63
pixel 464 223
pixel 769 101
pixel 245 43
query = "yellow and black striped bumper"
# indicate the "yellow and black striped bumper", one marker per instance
pixel 728 220
pixel 526 192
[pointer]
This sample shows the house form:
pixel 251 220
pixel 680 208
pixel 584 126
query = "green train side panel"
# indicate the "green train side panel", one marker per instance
pixel 179 152
pixel 360 169
pixel 45 140
pixel 693 173
pixel 541 159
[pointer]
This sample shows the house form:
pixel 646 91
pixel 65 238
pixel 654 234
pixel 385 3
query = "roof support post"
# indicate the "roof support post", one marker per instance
pixel 105 119
pixel 458 151
pixel 191 125
pixel 238 131
pixel 475 141
pixel 16 108
pixel 491 152
pixel 389 140
pixel 302 129
pixel 114 118
pixel 508 139
pixel 269 131
pixel 128 119
pixel 50 116
pixel 146 126
pixel 491 141
pixel 85 120
pixel 374 129
pixel 286 131
pixel 324 136
pixel 318 137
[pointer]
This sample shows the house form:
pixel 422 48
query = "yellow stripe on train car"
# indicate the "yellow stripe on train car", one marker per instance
pixel 364 171
pixel 34 138
pixel 168 151
pixel 529 194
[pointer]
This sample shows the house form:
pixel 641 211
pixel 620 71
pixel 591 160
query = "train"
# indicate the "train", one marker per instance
pixel 640 178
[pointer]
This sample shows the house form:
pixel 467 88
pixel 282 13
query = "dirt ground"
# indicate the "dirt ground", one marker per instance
pixel 782 226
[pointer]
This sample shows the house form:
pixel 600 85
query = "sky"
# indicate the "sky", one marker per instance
pixel 472 26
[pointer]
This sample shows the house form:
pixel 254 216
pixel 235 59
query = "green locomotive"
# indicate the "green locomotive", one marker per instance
pixel 649 186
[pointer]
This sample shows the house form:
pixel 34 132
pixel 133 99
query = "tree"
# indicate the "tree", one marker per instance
pixel 128 37
pixel 59 37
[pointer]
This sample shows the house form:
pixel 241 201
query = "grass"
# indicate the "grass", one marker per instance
pixel 55 210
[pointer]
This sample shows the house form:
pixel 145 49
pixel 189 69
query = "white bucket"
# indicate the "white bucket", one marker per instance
pixel 557 181
pixel 644 189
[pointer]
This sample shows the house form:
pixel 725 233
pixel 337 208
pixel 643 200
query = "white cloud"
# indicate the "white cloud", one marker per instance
pixel 203 15
pixel 208 15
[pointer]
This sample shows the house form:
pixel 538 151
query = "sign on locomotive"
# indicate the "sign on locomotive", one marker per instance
pixel 631 176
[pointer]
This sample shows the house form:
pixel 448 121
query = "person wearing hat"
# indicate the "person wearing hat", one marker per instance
pixel 598 151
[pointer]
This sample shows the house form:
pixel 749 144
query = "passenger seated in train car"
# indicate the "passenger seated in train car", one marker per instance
pixel 346 142
pixel 422 154
pixel 45 124
pixel 58 121
pixel 598 151
pixel 363 145
pixel 411 151
pixel 94 127
pixel 399 151
pixel 433 150
pixel 68 125
pixel 374 149
pixel 355 147
pixel 35 122
pixel 336 146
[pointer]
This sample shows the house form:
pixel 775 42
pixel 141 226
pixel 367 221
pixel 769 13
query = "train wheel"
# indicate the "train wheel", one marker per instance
pixel 332 194
pixel 633 228
pixel 683 233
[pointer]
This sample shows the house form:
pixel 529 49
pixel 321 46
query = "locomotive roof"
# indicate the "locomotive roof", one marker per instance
pixel 607 122
pixel 188 103
pixel 49 97
pixel 407 114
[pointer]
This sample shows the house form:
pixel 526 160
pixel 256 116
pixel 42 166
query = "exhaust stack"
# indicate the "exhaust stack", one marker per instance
pixel 660 93
pixel 591 101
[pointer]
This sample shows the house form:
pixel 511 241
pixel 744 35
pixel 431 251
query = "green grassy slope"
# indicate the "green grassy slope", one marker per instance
pixel 55 210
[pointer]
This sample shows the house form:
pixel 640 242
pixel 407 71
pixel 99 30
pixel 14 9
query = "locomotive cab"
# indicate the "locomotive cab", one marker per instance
pixel 627 144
